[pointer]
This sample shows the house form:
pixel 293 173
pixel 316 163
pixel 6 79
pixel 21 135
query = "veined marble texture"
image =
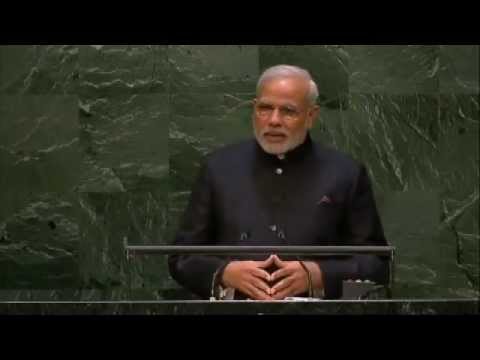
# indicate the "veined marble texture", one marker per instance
pixel 102 143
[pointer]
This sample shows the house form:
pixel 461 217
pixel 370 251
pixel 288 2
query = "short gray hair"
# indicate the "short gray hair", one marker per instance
pixel 285 71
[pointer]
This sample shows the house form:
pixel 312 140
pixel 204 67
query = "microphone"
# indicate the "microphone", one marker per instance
pixel 281 234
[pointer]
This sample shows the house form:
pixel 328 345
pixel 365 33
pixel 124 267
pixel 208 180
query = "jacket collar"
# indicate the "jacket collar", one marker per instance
pixel 295 155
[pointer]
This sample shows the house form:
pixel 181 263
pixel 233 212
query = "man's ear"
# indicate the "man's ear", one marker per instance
pixel 313 115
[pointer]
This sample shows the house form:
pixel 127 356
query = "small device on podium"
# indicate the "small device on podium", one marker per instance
pixel 362 290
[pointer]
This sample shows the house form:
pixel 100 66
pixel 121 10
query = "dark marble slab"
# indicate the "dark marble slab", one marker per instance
pixel 390 307
pixel 106 222
pixel 394 69
pixel 40 164
pixel 106 70
pixel 459 70
pixel 39 69
pixel 126 133
pixel 213 68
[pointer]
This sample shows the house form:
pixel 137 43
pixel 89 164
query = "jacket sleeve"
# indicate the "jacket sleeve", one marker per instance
pixel 196 272
pixel 362 226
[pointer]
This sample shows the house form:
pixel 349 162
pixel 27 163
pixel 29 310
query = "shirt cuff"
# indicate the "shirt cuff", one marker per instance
pixel 218 292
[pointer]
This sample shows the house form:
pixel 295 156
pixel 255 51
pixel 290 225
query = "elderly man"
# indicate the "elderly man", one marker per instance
pixel 280 188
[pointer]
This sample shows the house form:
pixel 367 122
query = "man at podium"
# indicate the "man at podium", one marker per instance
pixel 279 188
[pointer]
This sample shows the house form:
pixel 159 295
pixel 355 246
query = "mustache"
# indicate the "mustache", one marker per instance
pixel 274 133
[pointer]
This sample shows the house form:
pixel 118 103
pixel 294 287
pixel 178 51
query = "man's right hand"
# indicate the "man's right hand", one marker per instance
pixel 249 277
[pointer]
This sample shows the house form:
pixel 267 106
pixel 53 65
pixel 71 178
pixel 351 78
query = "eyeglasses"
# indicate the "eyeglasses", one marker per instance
pixel 285 112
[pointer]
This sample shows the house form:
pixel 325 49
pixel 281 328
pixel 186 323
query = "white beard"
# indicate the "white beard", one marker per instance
pixel 289 144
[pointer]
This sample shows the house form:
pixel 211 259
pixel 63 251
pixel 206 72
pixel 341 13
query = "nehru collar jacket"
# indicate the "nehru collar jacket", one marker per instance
pixel 313 196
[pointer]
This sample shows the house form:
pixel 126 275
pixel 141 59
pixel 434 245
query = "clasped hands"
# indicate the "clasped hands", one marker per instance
pixel 252 279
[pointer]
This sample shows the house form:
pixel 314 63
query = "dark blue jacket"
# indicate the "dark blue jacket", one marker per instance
pixel 315 196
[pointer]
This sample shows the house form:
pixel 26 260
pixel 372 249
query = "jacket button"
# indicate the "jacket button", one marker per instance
pixel 279 171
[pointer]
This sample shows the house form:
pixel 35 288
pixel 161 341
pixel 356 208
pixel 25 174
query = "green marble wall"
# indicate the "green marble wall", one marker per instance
pixel 102 143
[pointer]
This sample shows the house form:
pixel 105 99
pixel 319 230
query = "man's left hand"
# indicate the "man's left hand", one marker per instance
pixel 292 278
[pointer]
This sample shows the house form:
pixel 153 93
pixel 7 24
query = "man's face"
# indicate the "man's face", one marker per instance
pixel 283 115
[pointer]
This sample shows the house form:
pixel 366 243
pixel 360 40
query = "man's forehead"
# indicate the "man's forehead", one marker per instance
pixel 265 100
